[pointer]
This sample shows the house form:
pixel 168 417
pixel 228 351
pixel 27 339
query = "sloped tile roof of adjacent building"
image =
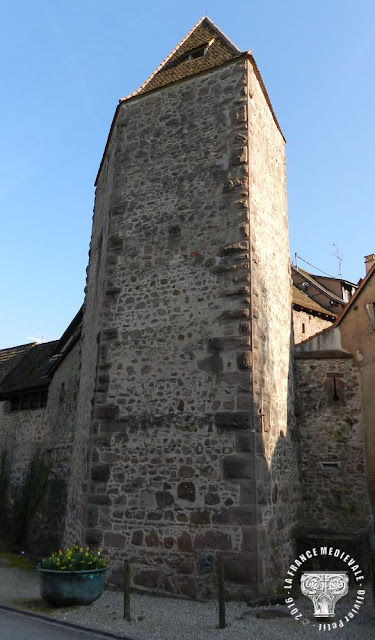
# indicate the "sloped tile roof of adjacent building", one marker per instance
pixel 28 373
pixel 66 343
pixel 361 285
pixel 318 285
pixel 9 358
pixel 302 300
pixel 32 365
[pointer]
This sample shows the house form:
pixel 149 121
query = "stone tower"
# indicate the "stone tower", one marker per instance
pixel 189 455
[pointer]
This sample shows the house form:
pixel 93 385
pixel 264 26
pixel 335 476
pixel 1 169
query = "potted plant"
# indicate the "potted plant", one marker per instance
pixel 75 576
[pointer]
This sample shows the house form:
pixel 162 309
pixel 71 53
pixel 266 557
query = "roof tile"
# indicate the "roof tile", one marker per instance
pixel 27 374
pixel 177 66
pixel 9 358
pixel 301 299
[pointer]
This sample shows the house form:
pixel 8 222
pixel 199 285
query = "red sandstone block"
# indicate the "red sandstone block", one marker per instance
pixel 114 540
pixel 213 540
pixel 184 542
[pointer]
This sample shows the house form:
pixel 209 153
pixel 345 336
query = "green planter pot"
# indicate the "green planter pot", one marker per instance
pixel 64 588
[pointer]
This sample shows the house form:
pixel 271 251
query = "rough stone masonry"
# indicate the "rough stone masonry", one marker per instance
pixel 162 424
pixel 186 342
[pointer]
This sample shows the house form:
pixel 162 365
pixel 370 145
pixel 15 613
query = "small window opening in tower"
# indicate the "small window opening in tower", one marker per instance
pixel 336 396
pixel 62 392
pixel 303 328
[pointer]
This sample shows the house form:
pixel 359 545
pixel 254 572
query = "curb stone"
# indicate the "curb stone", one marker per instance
pixel 62 623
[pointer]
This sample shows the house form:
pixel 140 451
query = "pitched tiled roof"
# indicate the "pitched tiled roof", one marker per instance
pixel 178 66
pixel 317 284
pixel 27 374
pixel 361 285
pixel 301 299
pixel 9 358
pixel 316 277
pixel 66 343
pixel 32 365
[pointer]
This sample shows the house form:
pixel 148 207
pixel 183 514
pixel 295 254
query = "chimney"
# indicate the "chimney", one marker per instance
pixel 369 262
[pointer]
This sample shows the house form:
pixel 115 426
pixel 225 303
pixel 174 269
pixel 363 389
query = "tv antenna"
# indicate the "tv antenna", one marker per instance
pixel 338 255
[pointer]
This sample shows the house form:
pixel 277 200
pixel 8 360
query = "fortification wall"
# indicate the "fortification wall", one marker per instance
pixel 306 325
pixel 35 449
pixel 335 497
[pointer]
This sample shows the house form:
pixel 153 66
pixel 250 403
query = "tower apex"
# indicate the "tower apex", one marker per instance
pixel 204 47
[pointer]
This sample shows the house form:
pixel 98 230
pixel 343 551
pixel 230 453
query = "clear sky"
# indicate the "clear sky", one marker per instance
pixel 65 64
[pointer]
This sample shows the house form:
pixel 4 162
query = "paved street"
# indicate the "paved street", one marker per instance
pixel 16 626
pixel 153 618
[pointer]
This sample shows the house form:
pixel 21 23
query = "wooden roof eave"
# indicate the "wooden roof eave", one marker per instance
pixel 314 312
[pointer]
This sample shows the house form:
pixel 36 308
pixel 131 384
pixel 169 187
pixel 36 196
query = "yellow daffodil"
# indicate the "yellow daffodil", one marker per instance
pixel 75 558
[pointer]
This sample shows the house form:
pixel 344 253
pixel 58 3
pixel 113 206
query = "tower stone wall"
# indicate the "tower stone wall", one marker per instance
pixel 97 296
pixel 276 462
pixel 186 340
pixel 170 437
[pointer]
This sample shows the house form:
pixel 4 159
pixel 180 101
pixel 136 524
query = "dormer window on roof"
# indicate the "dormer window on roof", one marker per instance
pixel 205 47
pixel 198 52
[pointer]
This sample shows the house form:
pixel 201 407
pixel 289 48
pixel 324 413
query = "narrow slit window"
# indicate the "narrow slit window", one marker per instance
pixel 336 396
pixel 62 392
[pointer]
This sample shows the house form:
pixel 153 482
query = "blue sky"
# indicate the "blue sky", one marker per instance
pixel 65 64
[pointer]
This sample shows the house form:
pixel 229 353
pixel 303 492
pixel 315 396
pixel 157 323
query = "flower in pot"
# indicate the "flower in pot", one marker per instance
pixel 75 576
